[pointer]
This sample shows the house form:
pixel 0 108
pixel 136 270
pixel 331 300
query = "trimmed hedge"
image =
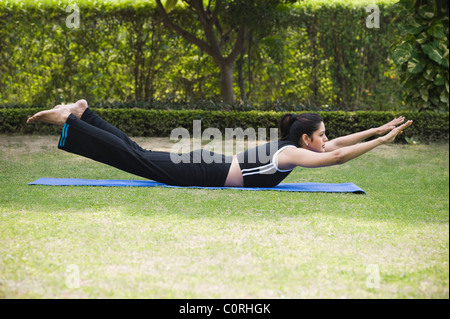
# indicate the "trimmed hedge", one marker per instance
pixel 427 127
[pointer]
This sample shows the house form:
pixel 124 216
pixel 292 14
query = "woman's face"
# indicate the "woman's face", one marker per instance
pixel 318 140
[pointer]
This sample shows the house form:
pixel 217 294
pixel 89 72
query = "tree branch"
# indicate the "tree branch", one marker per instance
pixel 239 44
pixel 208 24
pixel 185 34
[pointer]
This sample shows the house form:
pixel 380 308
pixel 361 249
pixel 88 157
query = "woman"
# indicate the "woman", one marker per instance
pixel 303 143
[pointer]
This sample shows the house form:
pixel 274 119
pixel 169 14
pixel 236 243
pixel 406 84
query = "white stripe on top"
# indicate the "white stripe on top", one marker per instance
pixel 268 167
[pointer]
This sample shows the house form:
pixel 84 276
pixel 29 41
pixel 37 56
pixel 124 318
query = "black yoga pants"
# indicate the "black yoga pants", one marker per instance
pixel 94 138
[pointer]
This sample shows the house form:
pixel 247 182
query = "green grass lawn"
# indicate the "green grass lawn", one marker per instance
pixel 92 242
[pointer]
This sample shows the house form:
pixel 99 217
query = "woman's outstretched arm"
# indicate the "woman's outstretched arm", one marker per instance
pixel 355 138
pixel 292 157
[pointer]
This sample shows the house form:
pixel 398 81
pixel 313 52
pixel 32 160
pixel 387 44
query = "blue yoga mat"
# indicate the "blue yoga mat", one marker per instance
pixel 287 187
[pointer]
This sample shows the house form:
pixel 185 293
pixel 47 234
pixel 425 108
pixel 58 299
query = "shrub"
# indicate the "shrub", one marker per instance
pixel 422 54
pixel 427 127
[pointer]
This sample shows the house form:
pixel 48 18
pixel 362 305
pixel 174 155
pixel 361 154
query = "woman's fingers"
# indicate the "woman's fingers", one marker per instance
pixel 404 126
pixel 391 125
pixel 397 120
pixel 396 131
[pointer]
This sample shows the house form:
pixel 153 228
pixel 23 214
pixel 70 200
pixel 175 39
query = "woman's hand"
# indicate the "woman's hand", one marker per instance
pixel 390 137
pixel 389 126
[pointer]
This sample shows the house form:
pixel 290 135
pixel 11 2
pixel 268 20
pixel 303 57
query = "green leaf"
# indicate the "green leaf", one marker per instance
pixel 413 26
pixel 426 12
pixel 422 38
pixel 433 52
pixel 436 30
pixel 430 74
pixel 435 100
pixel 413 30
pixel 415 66
pixel 402 53
pixel 424 94
pixel 443 46
pixel 440 80
pixel 444 96
pixel 410 140
pixel 170 4
pixel 408 4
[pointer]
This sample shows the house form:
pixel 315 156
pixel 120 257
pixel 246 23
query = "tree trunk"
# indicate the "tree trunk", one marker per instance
pixel 226 82
pixel 241 79
pixel 212 45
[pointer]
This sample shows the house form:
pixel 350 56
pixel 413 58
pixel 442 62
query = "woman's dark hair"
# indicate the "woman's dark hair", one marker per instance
pixel 293 126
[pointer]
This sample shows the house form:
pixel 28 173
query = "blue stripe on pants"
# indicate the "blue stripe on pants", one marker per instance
pixel 64 135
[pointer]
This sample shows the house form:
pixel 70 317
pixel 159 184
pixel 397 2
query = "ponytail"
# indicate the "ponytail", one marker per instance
pixel 285 124
pixel 293 126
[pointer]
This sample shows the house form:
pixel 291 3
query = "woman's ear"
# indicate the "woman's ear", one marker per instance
pixel 305 140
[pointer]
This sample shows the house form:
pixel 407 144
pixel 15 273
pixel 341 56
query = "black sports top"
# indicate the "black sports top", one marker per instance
pixel 258 164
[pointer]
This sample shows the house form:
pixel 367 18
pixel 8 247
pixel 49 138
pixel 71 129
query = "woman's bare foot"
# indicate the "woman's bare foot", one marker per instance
pixel 76 108
pixel 56 116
